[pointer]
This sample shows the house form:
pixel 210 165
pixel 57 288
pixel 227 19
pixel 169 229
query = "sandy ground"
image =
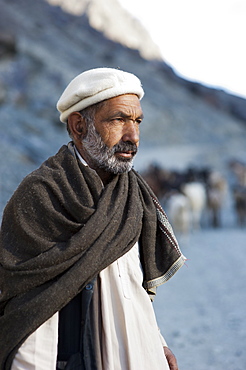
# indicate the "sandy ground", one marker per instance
pixel 201 310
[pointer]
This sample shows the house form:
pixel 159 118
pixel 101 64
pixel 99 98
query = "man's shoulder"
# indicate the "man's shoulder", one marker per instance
pixel 49 172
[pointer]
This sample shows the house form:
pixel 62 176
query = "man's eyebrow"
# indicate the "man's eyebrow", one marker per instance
pixel 141 116
pixel 124 115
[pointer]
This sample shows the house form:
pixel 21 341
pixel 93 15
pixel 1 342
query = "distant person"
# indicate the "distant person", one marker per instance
pixel 85 243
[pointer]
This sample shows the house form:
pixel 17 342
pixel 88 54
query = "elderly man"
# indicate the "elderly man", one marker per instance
pixel 84 243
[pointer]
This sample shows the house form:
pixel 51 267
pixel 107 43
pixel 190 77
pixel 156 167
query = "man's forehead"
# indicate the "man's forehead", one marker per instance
pixel 123 105
pixel 124 102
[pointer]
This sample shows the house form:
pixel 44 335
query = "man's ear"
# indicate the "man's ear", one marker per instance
pixel 77 125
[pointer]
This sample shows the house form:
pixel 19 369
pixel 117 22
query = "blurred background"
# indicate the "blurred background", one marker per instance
pixel 190 59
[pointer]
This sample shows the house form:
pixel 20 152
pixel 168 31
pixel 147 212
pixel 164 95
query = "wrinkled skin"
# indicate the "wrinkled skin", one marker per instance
pixel 117 122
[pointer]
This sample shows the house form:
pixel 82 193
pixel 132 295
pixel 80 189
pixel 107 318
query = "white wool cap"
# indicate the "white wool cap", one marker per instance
pixel 94 86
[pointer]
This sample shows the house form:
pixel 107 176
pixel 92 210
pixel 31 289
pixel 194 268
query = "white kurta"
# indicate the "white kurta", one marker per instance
pixel 39 351
pixel 130 336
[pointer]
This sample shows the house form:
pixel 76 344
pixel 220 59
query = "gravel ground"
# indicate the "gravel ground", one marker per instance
pixel 201 310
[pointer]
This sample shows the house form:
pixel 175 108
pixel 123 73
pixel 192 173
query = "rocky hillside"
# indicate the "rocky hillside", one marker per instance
pixel 42 47
pixel 114 22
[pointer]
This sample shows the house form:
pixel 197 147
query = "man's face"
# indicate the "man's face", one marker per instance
pixel 112 142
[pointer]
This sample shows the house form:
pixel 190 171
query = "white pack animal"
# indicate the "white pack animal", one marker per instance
pixel 196 194
pixel 179 213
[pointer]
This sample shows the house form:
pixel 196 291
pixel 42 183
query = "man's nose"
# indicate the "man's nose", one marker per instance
pixel 131 132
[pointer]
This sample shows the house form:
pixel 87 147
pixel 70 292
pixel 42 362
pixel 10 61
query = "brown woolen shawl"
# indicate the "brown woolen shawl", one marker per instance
pixel 60 229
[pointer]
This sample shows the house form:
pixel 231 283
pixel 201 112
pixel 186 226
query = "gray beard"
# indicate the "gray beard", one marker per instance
pixel 104 157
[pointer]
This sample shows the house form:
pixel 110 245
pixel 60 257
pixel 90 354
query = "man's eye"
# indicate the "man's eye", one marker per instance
pixel 118 119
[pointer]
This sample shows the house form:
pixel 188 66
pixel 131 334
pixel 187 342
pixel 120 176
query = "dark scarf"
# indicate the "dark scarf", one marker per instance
pixel 61 228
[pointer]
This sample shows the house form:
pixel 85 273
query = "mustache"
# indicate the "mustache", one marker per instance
pixel 125 147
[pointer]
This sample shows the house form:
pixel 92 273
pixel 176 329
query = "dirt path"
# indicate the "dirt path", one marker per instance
pixel 202 310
